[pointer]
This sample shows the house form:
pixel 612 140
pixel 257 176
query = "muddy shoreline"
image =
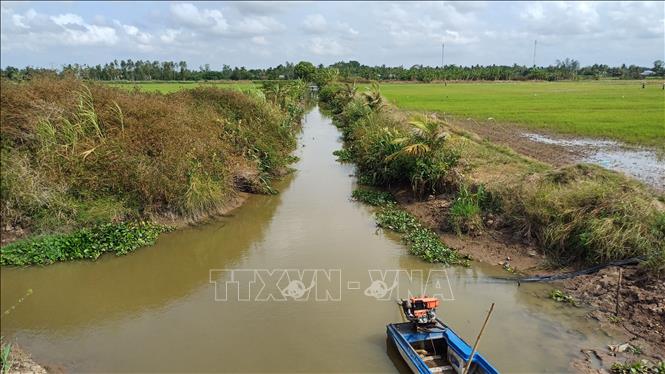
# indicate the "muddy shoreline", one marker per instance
pixel 21 362
pixel 642 296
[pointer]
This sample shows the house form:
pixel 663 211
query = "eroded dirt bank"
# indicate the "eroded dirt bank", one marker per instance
pixel 20 362
pixel 639 312
pixel 641 302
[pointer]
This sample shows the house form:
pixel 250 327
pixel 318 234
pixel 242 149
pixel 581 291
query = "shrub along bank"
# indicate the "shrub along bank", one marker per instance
pixel 78 154
pixel 577 214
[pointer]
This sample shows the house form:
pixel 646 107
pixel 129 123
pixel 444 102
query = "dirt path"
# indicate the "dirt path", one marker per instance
pixel 644 164
pixel 509 135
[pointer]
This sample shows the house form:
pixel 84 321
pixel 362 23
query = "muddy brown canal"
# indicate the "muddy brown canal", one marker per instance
pixel 155 310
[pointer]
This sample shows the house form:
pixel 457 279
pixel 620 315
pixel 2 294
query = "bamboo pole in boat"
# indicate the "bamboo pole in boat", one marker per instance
pixel 475 345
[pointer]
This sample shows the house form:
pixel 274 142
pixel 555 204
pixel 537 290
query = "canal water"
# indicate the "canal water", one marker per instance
pixel 155 310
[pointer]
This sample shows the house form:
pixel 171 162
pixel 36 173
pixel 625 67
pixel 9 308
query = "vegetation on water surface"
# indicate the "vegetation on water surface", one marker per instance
pixel 608 109
pixel 561 297
pixel 372 197
pixel 343 155
pixel 577 214
pixel 422 242
pixel 638 367
pixel 80 154
pixel 83 244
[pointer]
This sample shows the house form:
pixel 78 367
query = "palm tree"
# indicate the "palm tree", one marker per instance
pixel 427 135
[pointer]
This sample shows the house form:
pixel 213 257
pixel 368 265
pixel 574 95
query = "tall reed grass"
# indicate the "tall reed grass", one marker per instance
pixel 78 153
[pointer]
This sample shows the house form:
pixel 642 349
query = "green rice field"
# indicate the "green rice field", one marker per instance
pixel 619 110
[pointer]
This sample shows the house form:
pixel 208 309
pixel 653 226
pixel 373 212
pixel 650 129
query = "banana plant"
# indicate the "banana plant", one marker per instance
pixel 373 97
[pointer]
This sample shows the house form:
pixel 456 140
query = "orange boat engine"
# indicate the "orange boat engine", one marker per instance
pixel 420 310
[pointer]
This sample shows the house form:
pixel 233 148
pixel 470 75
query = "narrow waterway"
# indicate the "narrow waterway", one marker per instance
pixel 155 309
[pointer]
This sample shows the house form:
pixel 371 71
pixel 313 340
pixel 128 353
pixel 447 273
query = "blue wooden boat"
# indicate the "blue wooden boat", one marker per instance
pixel 435 349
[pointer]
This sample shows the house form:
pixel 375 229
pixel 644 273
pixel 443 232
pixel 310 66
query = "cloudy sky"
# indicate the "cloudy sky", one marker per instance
pixel 260 34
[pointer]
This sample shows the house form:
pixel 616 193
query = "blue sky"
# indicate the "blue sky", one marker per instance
pixel 260 34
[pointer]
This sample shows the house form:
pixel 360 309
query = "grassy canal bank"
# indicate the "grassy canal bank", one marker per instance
pixel 470 197
pixel 579 214
pixel 89 168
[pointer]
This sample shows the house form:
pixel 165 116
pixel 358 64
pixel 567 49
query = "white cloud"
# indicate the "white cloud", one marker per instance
pixel 258 25
pixel 211 20
pixel 327 47
pixel 346 30
pixel 562 18
pixel 170 35
pixel 428 23
pixel 37 30
pixel 263 7
pixel 395 33
pixel 260 40
pixel 135 33
pixel 315 24
pixel 67 19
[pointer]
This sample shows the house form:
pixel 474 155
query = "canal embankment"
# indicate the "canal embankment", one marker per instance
pixel 493 204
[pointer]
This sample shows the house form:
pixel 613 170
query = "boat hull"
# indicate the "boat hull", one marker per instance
pixel 451 349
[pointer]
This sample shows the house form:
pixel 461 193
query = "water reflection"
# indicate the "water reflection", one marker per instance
pixel 154 310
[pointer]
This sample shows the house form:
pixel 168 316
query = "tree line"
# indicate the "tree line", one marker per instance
pixel 140 70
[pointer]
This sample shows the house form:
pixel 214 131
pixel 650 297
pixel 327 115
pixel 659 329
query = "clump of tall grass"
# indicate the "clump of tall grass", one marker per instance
pixel 76 153
pixel 589 214
pixel 465 213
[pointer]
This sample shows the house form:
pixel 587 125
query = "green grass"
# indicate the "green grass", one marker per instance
pixel 577 214
pixel 619 110
pixel 77 155
pixel 169 87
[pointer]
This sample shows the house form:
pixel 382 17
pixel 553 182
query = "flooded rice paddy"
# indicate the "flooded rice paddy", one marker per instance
pixel 642 164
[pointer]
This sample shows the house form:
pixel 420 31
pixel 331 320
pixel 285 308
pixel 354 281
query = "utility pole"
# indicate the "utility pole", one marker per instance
pixel 443 45
pixel 535 43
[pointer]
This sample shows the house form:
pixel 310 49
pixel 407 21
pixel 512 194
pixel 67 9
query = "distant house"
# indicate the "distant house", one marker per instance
pixel 281 76
pixel 647 73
